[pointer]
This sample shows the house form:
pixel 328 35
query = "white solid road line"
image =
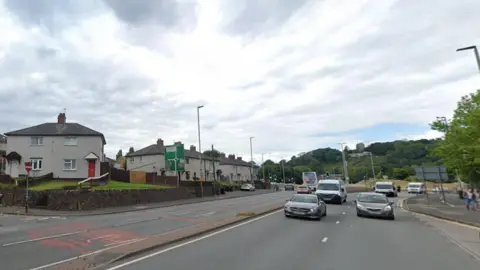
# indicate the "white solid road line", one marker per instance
pixel 83 255
pixel 324 240
pixel 191 241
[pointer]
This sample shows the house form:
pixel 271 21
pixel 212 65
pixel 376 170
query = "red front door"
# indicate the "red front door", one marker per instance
pixel 91 168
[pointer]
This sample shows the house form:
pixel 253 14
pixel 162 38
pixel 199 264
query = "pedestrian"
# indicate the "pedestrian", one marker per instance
pixel 468 199
pixel 474 201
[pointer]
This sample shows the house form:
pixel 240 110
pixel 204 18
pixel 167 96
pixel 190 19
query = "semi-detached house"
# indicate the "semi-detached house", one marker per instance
pixel 68 150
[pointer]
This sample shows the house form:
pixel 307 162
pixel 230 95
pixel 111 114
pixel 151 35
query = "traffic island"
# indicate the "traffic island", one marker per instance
pixel 101 259
pixel 434 207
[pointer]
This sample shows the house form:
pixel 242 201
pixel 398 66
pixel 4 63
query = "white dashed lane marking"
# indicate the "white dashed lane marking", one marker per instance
pixel 338 222
pixel 324 240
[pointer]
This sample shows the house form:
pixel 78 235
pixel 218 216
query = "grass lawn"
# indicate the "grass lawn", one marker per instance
pixel 2 185
pixel 112 185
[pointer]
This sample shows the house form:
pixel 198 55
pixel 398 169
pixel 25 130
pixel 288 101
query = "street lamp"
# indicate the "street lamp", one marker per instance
pixel 475 50
pixel 345 169
pixel 283 170
pixel 251 161
pixel 200 148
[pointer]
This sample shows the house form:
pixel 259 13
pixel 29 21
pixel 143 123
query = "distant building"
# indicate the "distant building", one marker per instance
pixel 360 147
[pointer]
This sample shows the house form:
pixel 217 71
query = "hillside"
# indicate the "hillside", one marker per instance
pixel 395 159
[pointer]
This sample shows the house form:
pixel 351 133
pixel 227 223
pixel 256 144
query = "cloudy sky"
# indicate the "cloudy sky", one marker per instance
pixel 295 74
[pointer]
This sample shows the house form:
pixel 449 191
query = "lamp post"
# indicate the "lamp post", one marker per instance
pixel 251 161
pixel 475 51
pixel 345 168
pixel 200 148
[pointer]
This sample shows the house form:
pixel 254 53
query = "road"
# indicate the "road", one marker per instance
pixel 340 241
pixel 46 240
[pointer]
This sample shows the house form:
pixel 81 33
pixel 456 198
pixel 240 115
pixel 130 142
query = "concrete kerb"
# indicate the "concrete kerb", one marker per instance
pixel 406 208
pixel 239 219
pixel 84 214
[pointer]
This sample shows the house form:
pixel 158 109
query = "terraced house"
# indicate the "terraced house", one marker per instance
pixel 68 150
pixel 152 159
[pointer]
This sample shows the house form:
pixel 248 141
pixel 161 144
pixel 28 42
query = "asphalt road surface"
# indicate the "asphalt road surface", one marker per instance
pixel 340 241
pixel 33 242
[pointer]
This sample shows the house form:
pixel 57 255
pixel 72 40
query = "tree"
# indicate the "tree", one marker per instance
pixel 460 148
pixel 131 150
pixel 119 154
pixel 212 153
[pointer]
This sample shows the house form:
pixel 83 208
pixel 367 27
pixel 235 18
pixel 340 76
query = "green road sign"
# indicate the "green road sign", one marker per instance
pixel 175 158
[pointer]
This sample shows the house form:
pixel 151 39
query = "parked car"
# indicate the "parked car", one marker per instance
pixel 247 187
pixel 303 190
pixel 305 205
pixel 289 187
pixel 371 204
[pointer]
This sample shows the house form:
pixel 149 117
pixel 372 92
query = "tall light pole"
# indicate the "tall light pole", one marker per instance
pixel 371 163
pixel 251 161
pixel 200 148
pixel 345 169
pixel 475 50
pixel 283 170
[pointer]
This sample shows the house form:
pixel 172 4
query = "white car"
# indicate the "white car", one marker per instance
pixel 247 187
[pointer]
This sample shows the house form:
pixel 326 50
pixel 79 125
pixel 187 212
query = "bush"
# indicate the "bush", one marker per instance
pixel 411 179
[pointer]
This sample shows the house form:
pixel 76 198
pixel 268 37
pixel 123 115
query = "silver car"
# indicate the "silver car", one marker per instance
pixel 306 206
pixel 370 204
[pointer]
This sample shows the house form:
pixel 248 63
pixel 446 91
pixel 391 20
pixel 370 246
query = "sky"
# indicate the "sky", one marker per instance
pixel 295 75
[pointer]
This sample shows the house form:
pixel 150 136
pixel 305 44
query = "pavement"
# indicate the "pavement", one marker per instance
pixel 454 209
pixel 20 210
pixel 339 241
pixel 49 241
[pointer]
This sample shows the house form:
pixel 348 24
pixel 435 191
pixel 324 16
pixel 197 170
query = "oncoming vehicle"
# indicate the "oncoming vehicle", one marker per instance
pixel 289 187
pixel 247 187
pixel 387 188
pixel 305 205
pixel 303 190
pixel 333 191
pixel 370 204
pixel 310 180
pixel 417 188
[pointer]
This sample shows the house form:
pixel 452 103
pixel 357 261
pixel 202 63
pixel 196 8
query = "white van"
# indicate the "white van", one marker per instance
pixel 387 188
pixel 333 191
pixel 416 188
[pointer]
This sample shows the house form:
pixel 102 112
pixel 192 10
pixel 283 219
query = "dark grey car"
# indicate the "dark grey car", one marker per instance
pixel 370 204
pixel 306 206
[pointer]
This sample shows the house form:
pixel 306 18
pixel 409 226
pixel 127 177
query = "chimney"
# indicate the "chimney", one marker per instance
pixel 177 143
pixel 62 118
pixel 222 155
pixel 160 143
pixel 231 157
pixel 193 148
pixel 239 158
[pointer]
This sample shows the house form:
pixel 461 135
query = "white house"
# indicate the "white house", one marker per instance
pixel 236 169
pixel 68 150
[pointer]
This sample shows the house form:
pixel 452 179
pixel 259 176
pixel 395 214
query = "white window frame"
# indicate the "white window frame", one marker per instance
pixel 72 163
pixel 132 159
pixel 37 164
pixel 70 141
pixel 36 141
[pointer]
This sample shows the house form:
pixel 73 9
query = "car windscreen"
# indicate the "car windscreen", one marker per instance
pixel 304 199
pixel 383 186
pixel 372 198
pixel 328 186
pixel 414 185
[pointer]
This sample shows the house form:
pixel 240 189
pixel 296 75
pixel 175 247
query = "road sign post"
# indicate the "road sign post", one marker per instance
pixel 175 159
pixel 28 168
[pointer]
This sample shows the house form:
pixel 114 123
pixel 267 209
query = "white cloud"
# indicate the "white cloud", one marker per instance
pixel 296 75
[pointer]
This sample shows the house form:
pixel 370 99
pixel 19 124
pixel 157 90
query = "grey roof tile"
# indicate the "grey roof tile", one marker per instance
pixel 54 129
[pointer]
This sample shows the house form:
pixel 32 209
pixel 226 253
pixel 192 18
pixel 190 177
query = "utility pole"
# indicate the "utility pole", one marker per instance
pixel 283 170
pixel 214 171
pixel 251 161
pixel 345 169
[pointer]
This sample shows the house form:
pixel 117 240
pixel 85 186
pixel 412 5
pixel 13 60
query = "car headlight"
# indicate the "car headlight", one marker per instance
pixel 360 206
pixel 388 208
pixel 313 209
pixel 287 207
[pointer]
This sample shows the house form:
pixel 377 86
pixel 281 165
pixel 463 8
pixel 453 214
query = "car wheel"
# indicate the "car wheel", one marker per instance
pixel 319 218
pixel 325 213
pixel 358 214
pixel 391 217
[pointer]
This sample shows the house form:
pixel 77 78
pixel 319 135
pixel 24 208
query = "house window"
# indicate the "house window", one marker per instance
pixel 37 164
pixel 131 160
pixel 70 141
pixel 69 164
pixel 36 140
